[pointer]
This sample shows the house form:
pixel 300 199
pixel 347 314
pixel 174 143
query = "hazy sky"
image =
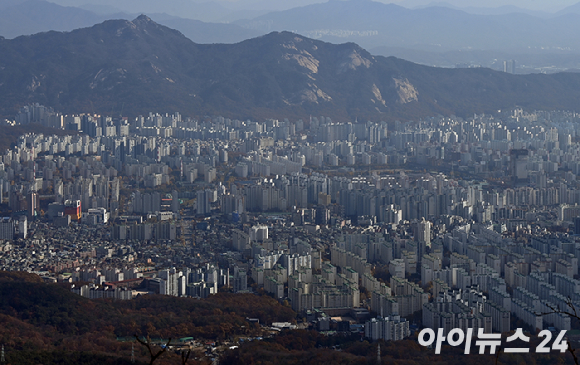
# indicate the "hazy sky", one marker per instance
pixel 544 5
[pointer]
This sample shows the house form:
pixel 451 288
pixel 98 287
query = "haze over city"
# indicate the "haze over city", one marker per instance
pixel 289 182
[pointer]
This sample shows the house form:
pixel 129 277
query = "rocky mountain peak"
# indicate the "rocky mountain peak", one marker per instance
pixel 142 20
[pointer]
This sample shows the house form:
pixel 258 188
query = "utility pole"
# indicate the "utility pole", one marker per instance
pixel 132 353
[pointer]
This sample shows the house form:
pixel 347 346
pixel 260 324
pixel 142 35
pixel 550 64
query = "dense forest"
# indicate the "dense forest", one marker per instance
pixel 47 324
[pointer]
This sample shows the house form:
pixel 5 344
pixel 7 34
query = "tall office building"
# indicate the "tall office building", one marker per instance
pixel 577 225
pixel 203 206
pixel 175 201
pixel 509 66
pixel 6 228
pixel 423 238
pixel 22 227
pixel 240 280
pixel 519 166
pixel 32 202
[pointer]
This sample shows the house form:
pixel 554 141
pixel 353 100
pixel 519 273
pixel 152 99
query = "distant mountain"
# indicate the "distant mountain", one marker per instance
pixel 500 10
pixel 100 9
pixel 201 32
pixel 8 3
pixel 572 9
pixel 34 16
pixel 208 11
pixel 140 66
pixel 504 10
pixel 373 24
pixel 269 5
pixel 428 31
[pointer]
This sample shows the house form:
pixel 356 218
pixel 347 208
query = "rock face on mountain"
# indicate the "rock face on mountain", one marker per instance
pixel 140 66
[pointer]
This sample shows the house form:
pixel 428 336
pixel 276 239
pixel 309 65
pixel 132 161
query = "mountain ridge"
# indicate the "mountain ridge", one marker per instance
pixel 399 26
pixel 35 16
pixel 434 29
pixel 141 66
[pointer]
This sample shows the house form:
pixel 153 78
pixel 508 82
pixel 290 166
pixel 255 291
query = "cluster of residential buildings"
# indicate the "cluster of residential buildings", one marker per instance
pixel 469 223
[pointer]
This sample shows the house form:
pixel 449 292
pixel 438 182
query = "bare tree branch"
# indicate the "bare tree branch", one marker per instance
pixel 572 313
pixel 573 352
pixel 185 357
pixel 148 345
